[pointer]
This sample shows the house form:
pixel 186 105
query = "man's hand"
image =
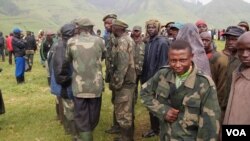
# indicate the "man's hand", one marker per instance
pixel 171 115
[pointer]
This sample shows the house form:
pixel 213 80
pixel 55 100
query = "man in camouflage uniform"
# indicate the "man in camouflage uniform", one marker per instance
pixel 109 41
pixel 122 81
pixel 139 55
pixel 85 51
pixel 186 100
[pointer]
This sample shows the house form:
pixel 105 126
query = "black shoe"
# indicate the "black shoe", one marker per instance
pixel 113 130
pixel 148 134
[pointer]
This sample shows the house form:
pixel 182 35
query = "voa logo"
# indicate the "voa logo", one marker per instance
pixel 236 132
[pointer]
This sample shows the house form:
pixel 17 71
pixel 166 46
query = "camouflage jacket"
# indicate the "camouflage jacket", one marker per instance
pixel 139 56
pixel 109 43
pixel 85 52
pixel 123 68
pixel 196 99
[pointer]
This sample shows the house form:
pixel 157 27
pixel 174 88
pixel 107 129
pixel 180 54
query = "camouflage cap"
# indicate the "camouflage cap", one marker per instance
pixel 82 22
pixel 113 16
pixel 119 23
pixel 137 28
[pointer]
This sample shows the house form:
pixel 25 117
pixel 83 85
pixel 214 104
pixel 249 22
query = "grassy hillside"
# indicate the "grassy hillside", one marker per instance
pixel 35 14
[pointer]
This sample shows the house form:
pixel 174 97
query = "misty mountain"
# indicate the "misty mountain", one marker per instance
pixel 36 14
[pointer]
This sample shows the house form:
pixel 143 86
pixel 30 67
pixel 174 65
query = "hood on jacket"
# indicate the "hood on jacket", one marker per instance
pixel 68 30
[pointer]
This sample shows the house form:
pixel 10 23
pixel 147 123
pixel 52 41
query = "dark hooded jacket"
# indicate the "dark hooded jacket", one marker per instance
pixel 60 69
pixel 18 45
pixel 31 43
pixel 156 56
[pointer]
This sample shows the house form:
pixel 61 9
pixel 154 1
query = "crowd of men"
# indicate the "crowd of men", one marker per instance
pixel 189 88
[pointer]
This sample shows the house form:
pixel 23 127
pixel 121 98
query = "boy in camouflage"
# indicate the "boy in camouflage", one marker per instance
pixel 186 100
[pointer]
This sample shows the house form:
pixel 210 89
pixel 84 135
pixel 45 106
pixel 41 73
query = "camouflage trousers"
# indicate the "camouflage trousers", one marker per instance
pixel 68 108
pixel 30 56
pixel 124 106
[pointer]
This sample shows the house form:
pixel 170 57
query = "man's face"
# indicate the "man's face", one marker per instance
pixel 231 42
pixel 180 60
pixel 202 28
pixel 152 31
pixel 116 30
pixel 207 43
pixel 136 33
pixel 174 32
pixel 108 24
pixel 244 53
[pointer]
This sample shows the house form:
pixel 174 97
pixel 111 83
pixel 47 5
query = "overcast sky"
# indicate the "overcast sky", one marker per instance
pixel 207 1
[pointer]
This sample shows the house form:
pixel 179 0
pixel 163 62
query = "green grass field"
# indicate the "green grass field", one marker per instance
pixel 30 109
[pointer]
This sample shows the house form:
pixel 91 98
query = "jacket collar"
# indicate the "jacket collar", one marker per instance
pixel 190 81
pixel 242 71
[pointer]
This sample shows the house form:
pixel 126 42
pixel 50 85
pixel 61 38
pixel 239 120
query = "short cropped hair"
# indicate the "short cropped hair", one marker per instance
pixel 181 44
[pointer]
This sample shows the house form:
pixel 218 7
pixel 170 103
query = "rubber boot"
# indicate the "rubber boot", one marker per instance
pixel 66 125
pixel 115 129
pixel 72 127
pixel 127 134
pixel 86 136
pixel 22 79
pixel 73 131
pixel 18 80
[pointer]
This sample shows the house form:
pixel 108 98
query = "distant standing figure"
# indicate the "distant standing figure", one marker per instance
pixel 201 25
pixel 18 45
pixel 9 47
pixel 2 46
pixel 30 49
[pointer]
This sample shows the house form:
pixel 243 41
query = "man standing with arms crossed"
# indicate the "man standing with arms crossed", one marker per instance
pixel 122 81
